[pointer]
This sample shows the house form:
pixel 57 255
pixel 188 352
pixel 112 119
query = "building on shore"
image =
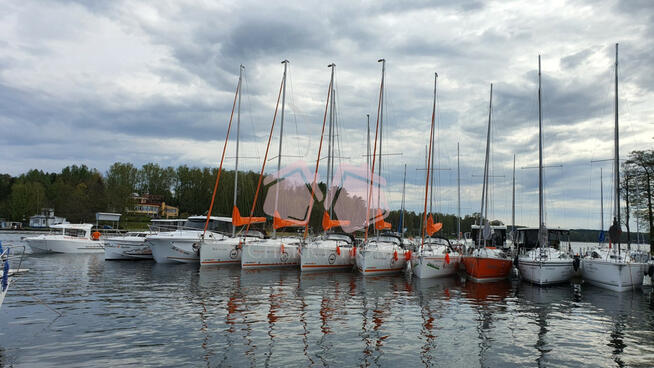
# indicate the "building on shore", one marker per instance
pixel 153 206
pixel 46 219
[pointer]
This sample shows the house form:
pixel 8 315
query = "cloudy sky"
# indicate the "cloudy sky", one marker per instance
pixel 95 82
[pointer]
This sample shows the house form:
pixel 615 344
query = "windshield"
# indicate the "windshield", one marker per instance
pixel 217 226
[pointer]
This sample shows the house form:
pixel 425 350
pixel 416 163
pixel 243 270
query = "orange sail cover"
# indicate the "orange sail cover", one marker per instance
pixel 279 222
pixel 328 223
pixel 237 220
pixel 433 227
pixel 381 224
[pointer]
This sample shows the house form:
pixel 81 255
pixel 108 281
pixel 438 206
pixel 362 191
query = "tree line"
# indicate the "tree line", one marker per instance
pixel 78 192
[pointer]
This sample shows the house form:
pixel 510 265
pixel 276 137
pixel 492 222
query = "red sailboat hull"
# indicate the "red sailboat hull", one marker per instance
pixel 483 269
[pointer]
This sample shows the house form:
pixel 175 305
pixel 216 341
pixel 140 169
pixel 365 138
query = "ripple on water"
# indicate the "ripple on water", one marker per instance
pixel 147 314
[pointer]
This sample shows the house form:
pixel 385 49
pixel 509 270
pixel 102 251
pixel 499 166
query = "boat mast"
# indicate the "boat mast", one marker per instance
pixel 458 194
pixel 403 205
pixel 513 205
pixel 381 129
pixel 428 162
pixel 485 185
pixel 542 235
pixel 372 170
pixel 238 134
pixel 601 200
pixel 329 134
pixel 281 135
pixel 433 157
pixel 616 162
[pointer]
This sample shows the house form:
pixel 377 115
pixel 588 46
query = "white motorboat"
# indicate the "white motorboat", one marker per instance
pixel 329 252
pixel 183 245
pixel 67 238
pixel 382 254
pixel 615 269
pixel 130 246
pixel 266 253
pixel 436 258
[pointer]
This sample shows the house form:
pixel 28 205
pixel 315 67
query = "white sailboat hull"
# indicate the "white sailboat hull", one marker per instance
pixel 434 266
pixel 616 276
pixel 324 257
pixel 268 253
pixel 220 252
pixel 379 261
pixel 546 272
pixel 64 244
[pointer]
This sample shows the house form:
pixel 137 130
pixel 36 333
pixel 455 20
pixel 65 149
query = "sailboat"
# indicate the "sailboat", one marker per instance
pixel 435 257
pixel 274 252
pixel 227 250
pixel 546 264
pixel 331 250
pixel 382 254
pixel 613 268
pixel 486 263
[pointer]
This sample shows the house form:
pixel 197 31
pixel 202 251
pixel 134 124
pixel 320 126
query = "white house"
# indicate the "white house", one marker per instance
pixel 46 219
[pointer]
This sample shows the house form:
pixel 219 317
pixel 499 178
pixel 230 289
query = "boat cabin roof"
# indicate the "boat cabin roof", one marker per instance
pixel 536 229
pixel 85 227
pixel 493 227
pixel 212 218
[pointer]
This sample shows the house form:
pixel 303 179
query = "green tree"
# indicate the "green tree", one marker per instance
pixel 25 200
pixel 121 180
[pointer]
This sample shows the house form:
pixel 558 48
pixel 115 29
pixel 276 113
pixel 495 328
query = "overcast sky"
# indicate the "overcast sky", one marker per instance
pixel 95 82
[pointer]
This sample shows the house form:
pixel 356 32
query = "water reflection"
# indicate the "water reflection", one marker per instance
pixel 143 313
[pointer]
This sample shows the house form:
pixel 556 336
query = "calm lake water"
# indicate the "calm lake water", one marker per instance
pixel 148 314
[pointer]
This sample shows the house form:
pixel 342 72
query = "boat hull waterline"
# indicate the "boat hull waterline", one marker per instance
pixel 616 276
pixel 482 269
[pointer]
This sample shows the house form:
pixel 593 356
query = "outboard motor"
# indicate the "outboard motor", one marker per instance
pixel 650 271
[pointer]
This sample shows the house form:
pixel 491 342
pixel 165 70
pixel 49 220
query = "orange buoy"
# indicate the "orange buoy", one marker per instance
pixel 338 250
pixel 282 248
pixel 95 235
pixel 407 255
pixel 447 258
pixel 395 255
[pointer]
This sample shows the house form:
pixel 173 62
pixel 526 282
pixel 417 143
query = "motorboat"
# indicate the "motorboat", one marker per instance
pixel 183 244
pixel 129 246
pixel 67 238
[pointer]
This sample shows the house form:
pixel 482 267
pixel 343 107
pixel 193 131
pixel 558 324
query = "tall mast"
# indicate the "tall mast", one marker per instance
pixel 372 170
pixel 403 205
pixel 513 204
pixel 281 136
pixel 541 226
pixel 458 194
pixel 616 162
pixel 330 135
pixel 428 166
pixel 433 157
pixel 368 160
pixel 238 134
pixel 601 199
pixel 381 129
pixel 485 181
